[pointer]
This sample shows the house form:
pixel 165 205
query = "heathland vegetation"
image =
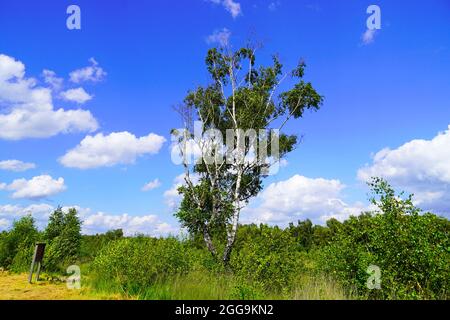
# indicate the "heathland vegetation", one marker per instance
pixel 302 261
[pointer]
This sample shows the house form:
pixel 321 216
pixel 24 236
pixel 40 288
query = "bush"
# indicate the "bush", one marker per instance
pixel 266 256
pixel 412 250
pixel 92 244
pixel 63 235
pixel 19 241
pixel 136 263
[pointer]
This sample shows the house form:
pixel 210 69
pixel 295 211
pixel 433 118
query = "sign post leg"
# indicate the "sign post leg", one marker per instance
pixel 38 272
pixel 37 258
pixel 30 277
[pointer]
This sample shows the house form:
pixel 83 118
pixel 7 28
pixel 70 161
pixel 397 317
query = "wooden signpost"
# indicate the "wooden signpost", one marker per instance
pixel 37 259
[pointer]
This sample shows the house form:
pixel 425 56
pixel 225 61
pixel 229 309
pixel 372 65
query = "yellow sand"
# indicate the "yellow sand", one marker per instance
pixel 16 287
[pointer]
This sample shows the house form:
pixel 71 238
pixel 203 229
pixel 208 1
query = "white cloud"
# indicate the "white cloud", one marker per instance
pixel 98 222
pixel 16 165
pixel 300 198
pixel 151 185
pixel 52 80
pixel 368 36
pixel 421 167
pixel 171 196
pixel 149 224
pixel 234 8
pixel 115 148
pixel 26 110
pixel 9 213
pixel 220 37
pixel 92 73
pixel 78 95
pixel 4 224
pixel 36 188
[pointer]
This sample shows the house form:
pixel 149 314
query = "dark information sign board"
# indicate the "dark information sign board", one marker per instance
pixel 39 252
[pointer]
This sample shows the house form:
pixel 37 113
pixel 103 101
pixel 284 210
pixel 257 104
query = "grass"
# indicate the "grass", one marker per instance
pixel 209 286
pixel 196 285
pixel 318 288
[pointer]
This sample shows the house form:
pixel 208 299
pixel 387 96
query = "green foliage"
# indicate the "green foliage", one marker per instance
pixel 18 241
pixel 63 236
pixel 92 244
pixel 55 224
pixel 303 234
pixel 241 96
pixel 267 256
pixel 22 259
pixel 137 263
pixel 412 250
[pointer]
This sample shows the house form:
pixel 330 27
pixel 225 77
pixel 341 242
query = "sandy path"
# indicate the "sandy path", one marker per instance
pixel 16 287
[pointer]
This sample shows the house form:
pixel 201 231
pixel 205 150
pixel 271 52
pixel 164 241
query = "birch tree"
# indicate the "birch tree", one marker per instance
pixel 242 112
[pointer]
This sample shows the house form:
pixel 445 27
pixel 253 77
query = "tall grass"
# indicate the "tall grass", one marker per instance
pixel 206 285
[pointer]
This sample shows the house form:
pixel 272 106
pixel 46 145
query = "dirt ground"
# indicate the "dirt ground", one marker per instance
pixel 16 287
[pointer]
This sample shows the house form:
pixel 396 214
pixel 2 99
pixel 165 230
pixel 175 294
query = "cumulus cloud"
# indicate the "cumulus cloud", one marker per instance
pixel 420 166
pixel 16 165
pixel 78 95
pixel 149 224
pixel 10 213
pixel 4 224
pixel 234 8
pixel 220 37
pixel 92 73
pixel 151 185
pixel 27 111
pixel 93 222
pixel 52 80
pixel 171 196
pixel 115 148
pixel 36 188
pixel 300 198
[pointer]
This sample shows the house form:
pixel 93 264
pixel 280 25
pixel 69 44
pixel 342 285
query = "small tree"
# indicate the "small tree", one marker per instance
pixel 22 236
pixel 64 236
pixel 240 100
pixel 71 235
pixel 411 249
pixel 55 224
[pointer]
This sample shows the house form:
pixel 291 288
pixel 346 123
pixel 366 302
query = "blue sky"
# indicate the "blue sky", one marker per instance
pixel 385 93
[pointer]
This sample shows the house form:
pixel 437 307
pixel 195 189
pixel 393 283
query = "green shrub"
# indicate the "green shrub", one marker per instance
pixel 22 259
pixel 412 250
pixel 63 236
pixel 21 237
pixel 268 258
pixel 135 264
pixel 92 244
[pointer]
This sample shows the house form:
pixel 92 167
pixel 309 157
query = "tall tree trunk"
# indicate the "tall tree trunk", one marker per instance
pixel 208 241
pixel 235 221
pixel 231 238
